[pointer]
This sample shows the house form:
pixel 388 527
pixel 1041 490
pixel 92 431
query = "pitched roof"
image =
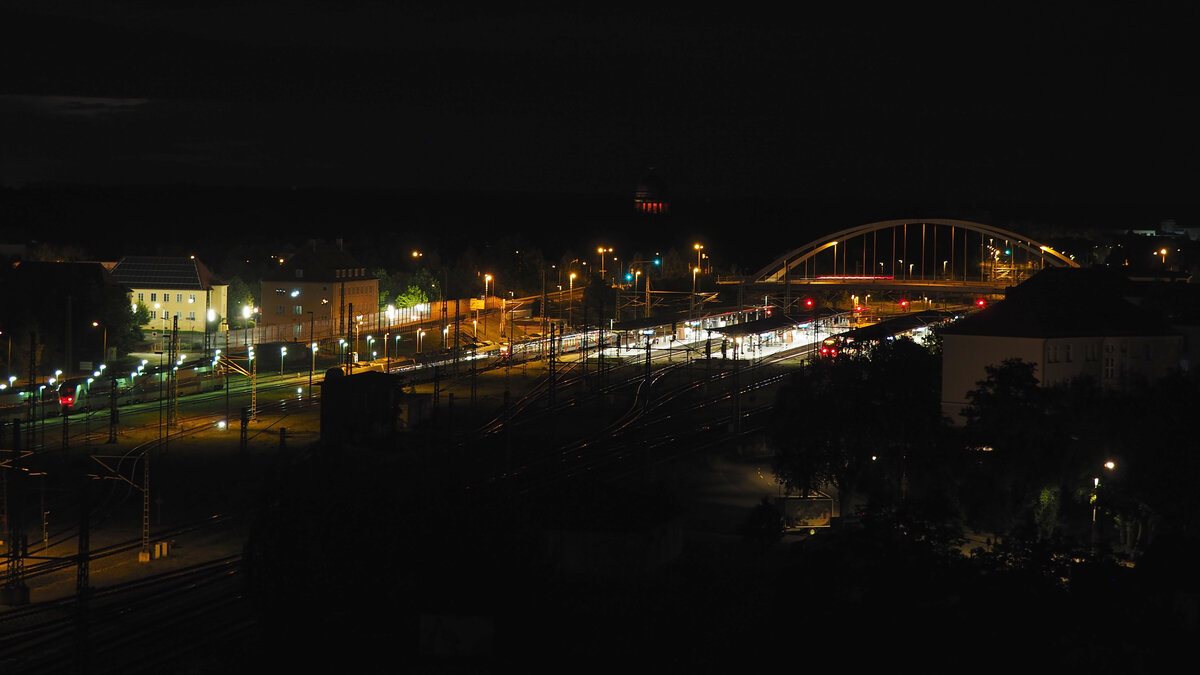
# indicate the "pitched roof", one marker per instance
pixel 319 263
pixel 1066 302
pixel 175 273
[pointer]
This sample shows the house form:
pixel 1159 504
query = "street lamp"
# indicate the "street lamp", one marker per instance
pixel 695 271
pixel 699 247
pixel 486 278
pixel 313 347
pixel 1110 465
pixel 602 251
pixel 420 334
pixel 1163 253
pixel 571 300
pixel 104 353
pixel 163 315
pixel 370 341
pixel 282 353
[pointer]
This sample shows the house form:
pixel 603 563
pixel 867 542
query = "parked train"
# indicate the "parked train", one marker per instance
pixel 80 394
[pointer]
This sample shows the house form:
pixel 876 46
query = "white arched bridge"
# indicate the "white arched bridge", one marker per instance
pixel 936 254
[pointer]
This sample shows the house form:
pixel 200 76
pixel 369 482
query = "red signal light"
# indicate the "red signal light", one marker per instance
pixel 808 303
pixel 981 302
pixel 904 303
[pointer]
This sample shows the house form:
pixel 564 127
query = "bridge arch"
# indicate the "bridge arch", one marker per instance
pixel 968 250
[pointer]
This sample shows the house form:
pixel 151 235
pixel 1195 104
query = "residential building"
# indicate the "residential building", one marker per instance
pixel 1069 323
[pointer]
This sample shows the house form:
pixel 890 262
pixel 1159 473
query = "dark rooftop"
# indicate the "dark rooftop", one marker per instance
pixel 1065 302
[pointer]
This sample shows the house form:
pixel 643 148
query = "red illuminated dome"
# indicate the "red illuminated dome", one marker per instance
pixel 651 195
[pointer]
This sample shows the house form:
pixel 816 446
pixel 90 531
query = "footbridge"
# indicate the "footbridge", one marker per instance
pixel 908 258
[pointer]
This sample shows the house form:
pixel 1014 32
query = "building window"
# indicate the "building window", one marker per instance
pixel 298 309
pixel 1109 367
pixel 153 313
pixel 1052 354
pixel 299 274
pixel 1067 353
pixel 191 316
pixel 166 297
pixel 141 296
pixel 154 297
pixel 279 309
pixel 191 297
pixel 179 297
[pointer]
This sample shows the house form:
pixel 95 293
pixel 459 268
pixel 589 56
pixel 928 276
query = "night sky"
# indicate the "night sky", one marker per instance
pixel 830 115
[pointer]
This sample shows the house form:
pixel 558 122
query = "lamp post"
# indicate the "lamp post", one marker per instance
pixel 313 347
pixel 282 353
pixel 486 279
pixel 602 251
pixel 420 334
pixel 95 324
pixel 162 314
pixel 692 309
pixel 699 247
pixel 571 300
pixel 1110 465
pixel 1163 253
pixel 246 325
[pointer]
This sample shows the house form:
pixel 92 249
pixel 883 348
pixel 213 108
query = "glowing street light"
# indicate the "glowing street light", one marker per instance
pixel 104 354
pixel 602 251
pixel 695 271
pixel 571 300
pixel 313 347
pixel 282 353
pixel 486 279
pixel 1163 253
pixel 699 247
pixel 1110 465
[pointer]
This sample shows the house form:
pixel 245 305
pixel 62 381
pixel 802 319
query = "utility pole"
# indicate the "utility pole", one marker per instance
pixel 550 384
